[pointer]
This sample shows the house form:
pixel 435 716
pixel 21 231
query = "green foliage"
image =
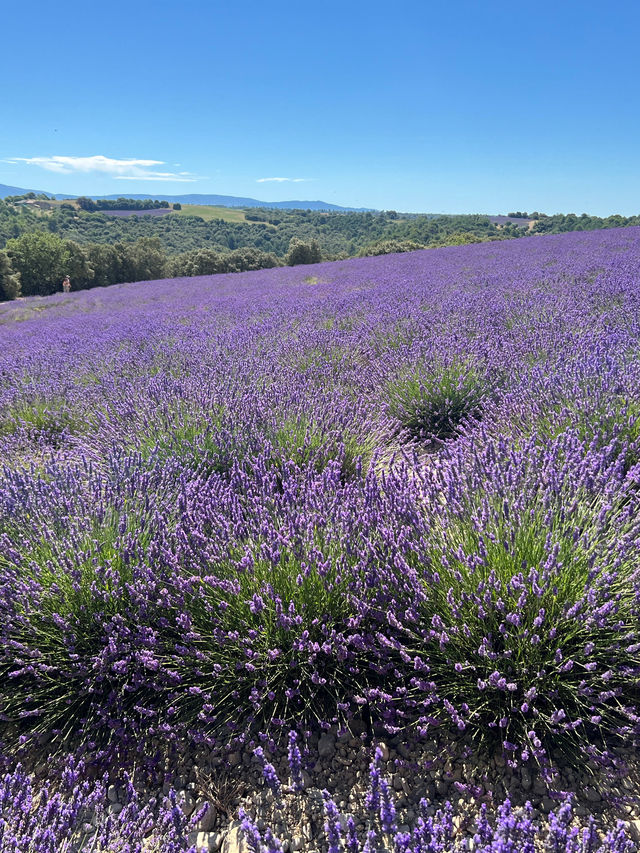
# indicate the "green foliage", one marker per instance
pixel 143 260
pixel 41 418
pixel 430 401
pixel 9 280
pixel 389 247
pixel 303 253
pixel 459 238
pixel 304 443
pixel 498 538
pixel 561 222
pixel 105 260
pixel 315 595
pixel 42 259
pixel 121 203
pixel 209 262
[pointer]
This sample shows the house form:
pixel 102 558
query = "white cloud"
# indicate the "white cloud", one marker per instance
pixel 282 180
pixel 120 169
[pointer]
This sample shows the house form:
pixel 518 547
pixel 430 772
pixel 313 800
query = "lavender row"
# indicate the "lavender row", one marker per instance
pixel 74 816
pixel 401 489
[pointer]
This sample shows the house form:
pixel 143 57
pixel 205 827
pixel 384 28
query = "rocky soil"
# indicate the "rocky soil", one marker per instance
pixel 438 771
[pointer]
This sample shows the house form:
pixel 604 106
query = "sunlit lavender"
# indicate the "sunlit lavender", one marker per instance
pixel 400 490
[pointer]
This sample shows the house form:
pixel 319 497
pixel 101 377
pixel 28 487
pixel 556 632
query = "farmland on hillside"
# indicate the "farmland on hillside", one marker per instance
pixel 209 212
pixel 392 498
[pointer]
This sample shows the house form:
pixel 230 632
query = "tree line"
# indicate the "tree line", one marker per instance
pixel 92 205
pixel 35 264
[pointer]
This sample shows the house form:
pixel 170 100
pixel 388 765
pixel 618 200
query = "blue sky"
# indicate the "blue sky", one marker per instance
pixel 415 106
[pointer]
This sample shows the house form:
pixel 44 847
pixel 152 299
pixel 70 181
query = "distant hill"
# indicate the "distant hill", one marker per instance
pixel 237 201
pixel 200 198
pixel 6 190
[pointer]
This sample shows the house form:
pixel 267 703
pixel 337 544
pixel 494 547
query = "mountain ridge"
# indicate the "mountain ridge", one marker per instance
pixel 208 199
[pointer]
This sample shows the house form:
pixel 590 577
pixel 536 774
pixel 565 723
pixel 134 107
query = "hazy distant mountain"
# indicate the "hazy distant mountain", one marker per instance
pixel 199 198
pixel 236 201
pixel 6 190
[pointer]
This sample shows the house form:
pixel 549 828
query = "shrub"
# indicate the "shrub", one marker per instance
pixel 435 401
pixel 524 611
pixel 388 247
pixel 303 253
pixel 302 442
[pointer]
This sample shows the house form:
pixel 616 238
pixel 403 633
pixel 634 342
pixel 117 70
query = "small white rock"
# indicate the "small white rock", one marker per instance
pixel 186 802
pixel 204 841
pixel 234 840
pixel 633 829
pixel 208 820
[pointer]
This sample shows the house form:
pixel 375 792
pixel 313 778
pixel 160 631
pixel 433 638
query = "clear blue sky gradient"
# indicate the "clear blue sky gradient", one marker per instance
pixel 417 106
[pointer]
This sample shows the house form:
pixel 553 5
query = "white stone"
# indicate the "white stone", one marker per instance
pixel 633 829
pixel 208 820
pixel 204 841
pixel 185 802
pixel 234 840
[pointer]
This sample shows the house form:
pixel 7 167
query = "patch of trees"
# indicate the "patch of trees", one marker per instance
pixel 337 234
pixel 36 263
pixel 390 247
pixel 92 205
pixel 561 222
pixel 96 249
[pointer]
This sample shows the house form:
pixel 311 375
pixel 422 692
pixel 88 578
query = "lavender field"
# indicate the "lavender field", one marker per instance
pixel 392 499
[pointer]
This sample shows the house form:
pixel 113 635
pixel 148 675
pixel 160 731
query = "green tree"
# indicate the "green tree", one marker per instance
pixel 105 262
pixel 86 203
pixel 143 260
pixel 9 280
pixel 79 269
pixel 303 253
pixel 41 258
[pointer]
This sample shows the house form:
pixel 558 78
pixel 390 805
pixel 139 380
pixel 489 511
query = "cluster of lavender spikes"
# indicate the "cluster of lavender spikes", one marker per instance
pixel 74 819
pixel 70 815
pixel 508 831
pixel 406 493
